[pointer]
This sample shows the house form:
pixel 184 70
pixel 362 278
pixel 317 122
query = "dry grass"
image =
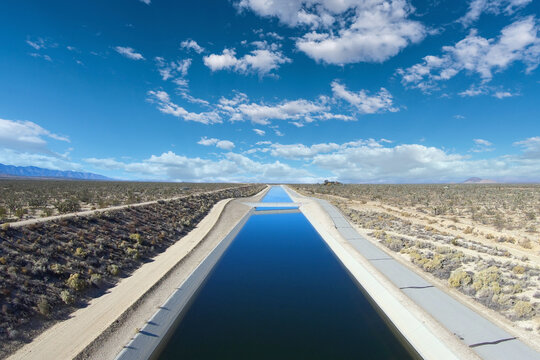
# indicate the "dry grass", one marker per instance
pixel 478 239
pixel 29 199
pixel 49 269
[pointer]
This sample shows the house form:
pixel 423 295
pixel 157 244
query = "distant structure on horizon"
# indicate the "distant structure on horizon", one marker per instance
pixel 326 182
pixel 477 180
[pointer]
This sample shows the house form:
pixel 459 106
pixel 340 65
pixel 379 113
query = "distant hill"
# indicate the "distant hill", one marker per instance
pixel 477 180
pixel 10 171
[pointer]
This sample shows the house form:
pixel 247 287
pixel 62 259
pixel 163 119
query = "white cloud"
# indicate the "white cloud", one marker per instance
pixel 240 109
pixel 364 103
pixel 25 143
pixel 147 2
pixel 41 43
pixel 190 44
pixel 172 69
pixel 531 147
pixel 377 162
pixel 222 144
pixel 482 145
pixel 42 56
pixel 477 7
pixel 503 94
pixel 128 52
pixel 259 132
pixel 25 135
pixel 166 106
pixel 232 167
pixel 345 31
pixel 44 160
pixel 518 42
pixel 261 61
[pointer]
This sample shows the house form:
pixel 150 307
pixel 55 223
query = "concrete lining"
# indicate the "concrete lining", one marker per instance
pixel 148 341
pixel 481 335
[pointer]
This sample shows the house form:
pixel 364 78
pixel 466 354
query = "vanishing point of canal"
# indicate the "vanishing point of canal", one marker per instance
pixel 279 292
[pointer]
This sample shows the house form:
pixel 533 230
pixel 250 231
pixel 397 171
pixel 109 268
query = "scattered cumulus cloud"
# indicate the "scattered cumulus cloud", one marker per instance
pixel 261 61
pixel 481 145
pixel 128 52
pixel 299 111
pixel 221 144
pixel 231 167
pixel 259 132
pixel 518 42
pixel 172 69
pixel 166 106
pixel 190 44
pixel 147 2
pixel 531 147
pixel 41 43
pixel 25 135
pixel 25 143
pixel 363 102
pixel 478 7
pixel 41 56
pixel 346 31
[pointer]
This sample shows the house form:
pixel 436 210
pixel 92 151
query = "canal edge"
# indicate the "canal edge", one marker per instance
pixel 409 325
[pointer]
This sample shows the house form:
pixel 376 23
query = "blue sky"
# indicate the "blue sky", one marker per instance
pixel 371 91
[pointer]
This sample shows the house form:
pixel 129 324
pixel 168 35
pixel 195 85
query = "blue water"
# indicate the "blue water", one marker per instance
pixel 268 208
pixel 276 194
pixel 278 292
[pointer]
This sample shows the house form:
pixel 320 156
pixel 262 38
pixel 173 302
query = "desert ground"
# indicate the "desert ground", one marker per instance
pixel 479 242
pixel 24 199
pixel 51 268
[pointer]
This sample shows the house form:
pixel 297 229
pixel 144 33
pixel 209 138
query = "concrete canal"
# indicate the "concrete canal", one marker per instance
pixel 278 292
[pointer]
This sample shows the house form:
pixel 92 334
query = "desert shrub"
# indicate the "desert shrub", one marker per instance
pixel 516 288
pixel 75 282
pixel 435 263
pixel 113 269
pixel 43 306
pixel 79 252
pixel 487 278
pixel 525 243
pixel 134 253
pixel 66 297
pixel 95 279
pixel 3 212
pixel 68 206
pixel 459 278
pixel 518 269
pixel 393 243
pixel 523 309
pixel 57 268
pixel 136 237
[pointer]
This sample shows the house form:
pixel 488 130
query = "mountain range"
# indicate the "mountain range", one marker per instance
pixel 9 171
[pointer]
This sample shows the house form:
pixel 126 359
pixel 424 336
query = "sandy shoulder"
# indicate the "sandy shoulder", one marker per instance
pixel 118 313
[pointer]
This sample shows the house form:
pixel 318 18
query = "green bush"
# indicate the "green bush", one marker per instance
pixel 523 309
pixel 43 306
pixel 68 206
pixel 66 297
pixel 75 282
pixel 113 269
pixel 459 278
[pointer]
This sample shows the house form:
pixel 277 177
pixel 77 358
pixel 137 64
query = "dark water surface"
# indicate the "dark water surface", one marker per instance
pixel 278 292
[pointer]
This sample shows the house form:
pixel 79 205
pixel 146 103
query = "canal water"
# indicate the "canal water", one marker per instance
pixel 279 292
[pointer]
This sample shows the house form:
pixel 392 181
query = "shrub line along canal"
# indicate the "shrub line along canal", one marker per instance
pixel 273 288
